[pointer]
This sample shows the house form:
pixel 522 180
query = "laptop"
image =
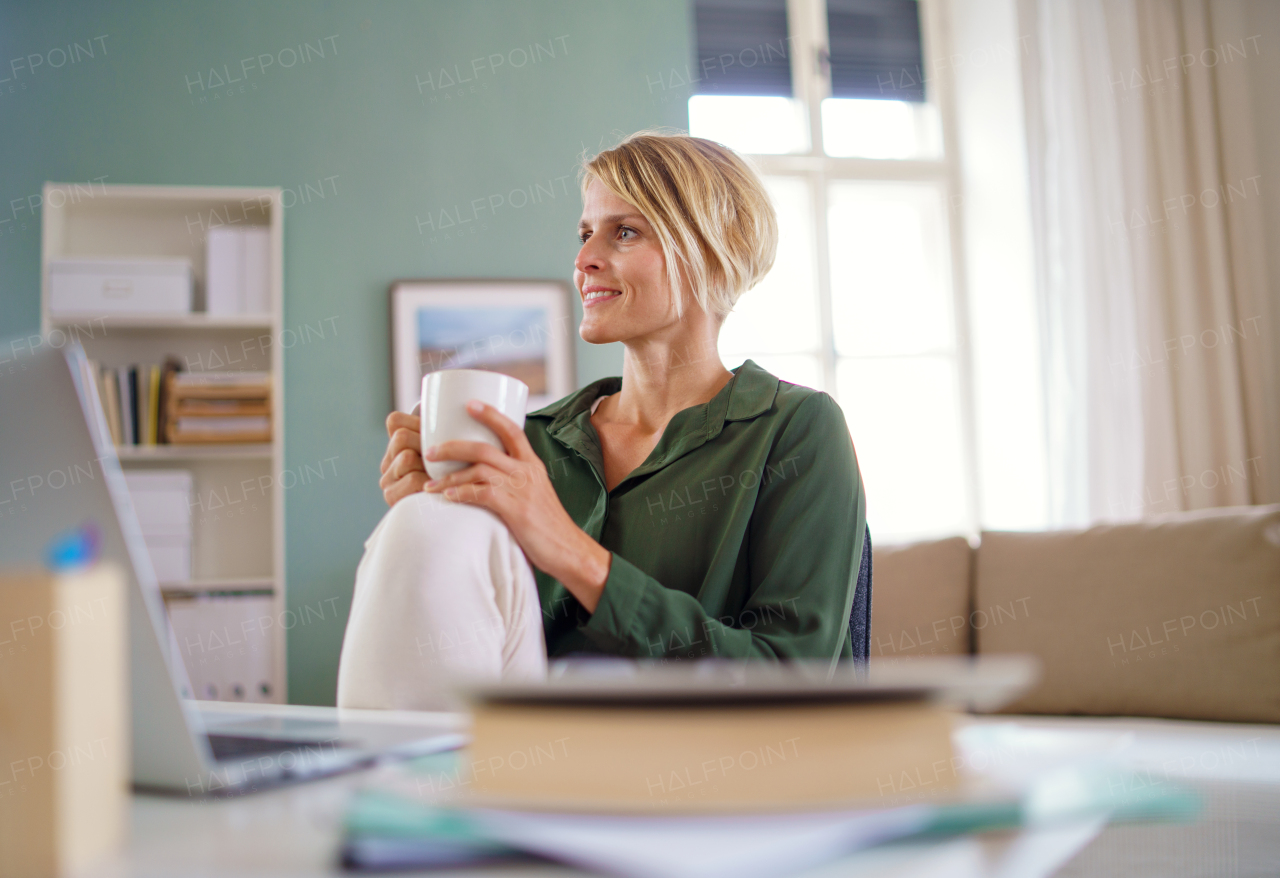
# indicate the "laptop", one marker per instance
pixel 51 420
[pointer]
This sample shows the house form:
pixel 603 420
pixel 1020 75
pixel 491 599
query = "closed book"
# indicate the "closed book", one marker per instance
pixel 134 409
pixel 743 757
pixel 189 380
pixel 111 403
pixel 167 369
pixel 222 424
pixel 144 405
pixel 153 405
pixel 217 428
pixel 231 406
pixel 126 416
pixel 218 385
pixel 724 736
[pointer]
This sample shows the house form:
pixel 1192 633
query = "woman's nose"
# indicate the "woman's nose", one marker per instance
pixel 589 258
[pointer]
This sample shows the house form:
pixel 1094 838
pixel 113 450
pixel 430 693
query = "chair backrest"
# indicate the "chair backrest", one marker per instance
pixel 860 613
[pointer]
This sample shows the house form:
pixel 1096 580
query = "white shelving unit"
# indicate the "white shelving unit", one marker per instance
pixel 237 547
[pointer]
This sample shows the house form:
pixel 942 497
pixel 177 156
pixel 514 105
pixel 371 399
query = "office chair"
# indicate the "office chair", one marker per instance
pixel 860 613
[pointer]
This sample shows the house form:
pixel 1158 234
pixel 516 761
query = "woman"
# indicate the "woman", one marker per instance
pixel 680 511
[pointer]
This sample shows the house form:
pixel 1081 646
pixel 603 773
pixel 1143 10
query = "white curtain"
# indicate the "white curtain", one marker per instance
pixel 1151 267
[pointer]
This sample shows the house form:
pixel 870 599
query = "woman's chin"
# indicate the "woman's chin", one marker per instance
pixel 594 333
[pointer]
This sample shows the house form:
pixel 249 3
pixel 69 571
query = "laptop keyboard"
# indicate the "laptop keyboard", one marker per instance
pixel 232 746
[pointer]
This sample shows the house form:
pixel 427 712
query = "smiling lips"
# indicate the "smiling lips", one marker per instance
pixel 593 295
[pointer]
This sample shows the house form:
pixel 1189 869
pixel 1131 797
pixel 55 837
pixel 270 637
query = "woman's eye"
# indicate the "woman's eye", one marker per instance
pixel 624 231
pixel 582 237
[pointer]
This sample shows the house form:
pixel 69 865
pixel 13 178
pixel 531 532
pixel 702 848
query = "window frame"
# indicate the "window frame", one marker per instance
pixel 807 23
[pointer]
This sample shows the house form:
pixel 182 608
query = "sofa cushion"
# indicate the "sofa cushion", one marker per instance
pixel 920 598
pixel 1175 616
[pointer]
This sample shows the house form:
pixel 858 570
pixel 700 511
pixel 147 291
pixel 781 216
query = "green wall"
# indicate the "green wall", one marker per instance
pixel 359 126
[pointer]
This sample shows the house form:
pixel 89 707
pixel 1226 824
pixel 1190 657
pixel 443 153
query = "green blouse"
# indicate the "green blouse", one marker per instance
pixel 739 536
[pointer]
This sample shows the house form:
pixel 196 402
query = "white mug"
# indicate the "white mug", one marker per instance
pixel 445 395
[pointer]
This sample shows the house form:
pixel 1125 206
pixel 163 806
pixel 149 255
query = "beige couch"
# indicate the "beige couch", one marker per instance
pixel 1176 616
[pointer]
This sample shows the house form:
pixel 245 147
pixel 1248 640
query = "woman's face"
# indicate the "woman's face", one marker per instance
pixel 620 272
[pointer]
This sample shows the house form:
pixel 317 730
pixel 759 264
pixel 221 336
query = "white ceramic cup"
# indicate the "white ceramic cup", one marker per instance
pixel 445 395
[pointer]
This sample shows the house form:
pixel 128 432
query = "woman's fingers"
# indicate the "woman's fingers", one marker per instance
pixel 471 452
pixel 398 420
pixel 403 441
pixel 403 430
pixel 398 489
pixel 473 484
pixel 513 438
pixel 406 462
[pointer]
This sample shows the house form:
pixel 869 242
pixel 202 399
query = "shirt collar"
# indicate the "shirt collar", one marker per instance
pixel 749 394
pixel 753 392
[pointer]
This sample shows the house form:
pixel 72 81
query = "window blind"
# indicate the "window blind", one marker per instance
pixel 875 49
pixel 743 47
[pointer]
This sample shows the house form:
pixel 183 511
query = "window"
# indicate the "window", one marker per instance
pixel 862 300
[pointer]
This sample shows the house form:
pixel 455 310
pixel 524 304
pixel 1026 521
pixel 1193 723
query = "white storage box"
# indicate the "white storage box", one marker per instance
pixel 238 269
pixel 119 286
pixel 226 644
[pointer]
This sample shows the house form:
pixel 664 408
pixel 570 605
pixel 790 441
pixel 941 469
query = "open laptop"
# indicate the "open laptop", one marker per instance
pixel 50 422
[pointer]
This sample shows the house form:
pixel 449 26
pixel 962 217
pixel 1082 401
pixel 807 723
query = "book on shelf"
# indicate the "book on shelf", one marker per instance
pixel 222 407
pixel 158 404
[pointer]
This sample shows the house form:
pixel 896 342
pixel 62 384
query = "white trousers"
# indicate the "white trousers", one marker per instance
pixel 443 593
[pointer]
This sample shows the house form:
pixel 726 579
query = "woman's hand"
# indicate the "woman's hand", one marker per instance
pixel 515 487
pixel 403 472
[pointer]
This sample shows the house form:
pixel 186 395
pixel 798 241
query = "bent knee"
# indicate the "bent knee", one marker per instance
pixel 426 517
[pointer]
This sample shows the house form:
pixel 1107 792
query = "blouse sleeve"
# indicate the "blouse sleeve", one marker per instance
pixel 804 544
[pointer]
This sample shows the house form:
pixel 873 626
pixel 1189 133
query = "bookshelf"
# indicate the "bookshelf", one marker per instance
pixel 236 547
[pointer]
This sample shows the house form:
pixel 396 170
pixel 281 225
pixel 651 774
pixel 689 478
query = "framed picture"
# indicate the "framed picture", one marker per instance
pixel 522 328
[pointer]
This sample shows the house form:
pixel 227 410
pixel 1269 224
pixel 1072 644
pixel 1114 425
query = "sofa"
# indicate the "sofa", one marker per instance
pixel 1158 639
pixel 1174 616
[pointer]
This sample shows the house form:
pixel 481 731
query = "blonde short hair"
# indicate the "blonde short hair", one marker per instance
pixel 711 213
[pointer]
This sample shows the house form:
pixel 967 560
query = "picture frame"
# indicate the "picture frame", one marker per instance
pixel 522 328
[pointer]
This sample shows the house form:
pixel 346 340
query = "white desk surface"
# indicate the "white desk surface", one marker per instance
pixel 295 831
